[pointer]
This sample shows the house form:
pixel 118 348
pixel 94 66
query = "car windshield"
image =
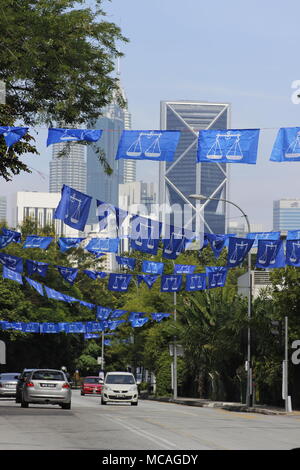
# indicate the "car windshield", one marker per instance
pixel 48 375
pixel 120 379
pixel 91 380
pixel 8 376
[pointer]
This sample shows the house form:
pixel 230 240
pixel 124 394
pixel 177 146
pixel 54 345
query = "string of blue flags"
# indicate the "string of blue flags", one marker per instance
pixel 214 145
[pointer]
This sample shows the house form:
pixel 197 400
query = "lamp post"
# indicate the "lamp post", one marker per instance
pixel 248 363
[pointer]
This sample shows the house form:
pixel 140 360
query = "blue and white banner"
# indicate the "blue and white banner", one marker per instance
pixel 69 274
pixel 237 250
pixel 135 315
pixel 270 254
pixel 263 236
pixel 87 304
pixel 91 336
pixel 67 243
pixel 34 241
pixel 110 216
pixel 228 146
pixel 293 235
pixel 5 240
pixel 73 208
pixel 145 234
pixel 138 322
pixel 103 245
pixel 12 262
pixel 36 285
pixel 148 145
pixel 171 282
pixel 118 313
pixel 152 267
pixel 70 299
pixel 31 327
pixel 195 282
pixel 293 252
pixel 95 326
pixel 286 147
pixel 102 313
pixel 159 316
pixel 75 327
pixel 57 135
pixel 126 262
pixel 119 282
pixel 12 134
pixel 112 325
pixel 16 236
pixel 95 274
pixel 50 327
pixel 36 267
pixel 54 294
pixel 216 276
pixel 218 242
pixel 184 269
pixel 176 242
pixel 149 279
pixel 12 275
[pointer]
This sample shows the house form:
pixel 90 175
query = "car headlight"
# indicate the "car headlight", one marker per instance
pixel 133 388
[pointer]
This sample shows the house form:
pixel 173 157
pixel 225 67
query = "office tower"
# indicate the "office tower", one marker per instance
pixel 184 176
pixel 137 193
pixel 100 185
pixel 129 165
pixel 3 209
pixel 39 207
pixel 286 214
pixel 68 166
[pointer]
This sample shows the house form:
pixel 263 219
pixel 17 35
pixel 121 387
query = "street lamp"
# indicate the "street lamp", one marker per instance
pixel 249 370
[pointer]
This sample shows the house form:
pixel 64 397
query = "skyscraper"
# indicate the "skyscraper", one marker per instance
pixel 68 168
pixel 100 185
pixel 286 214
pixel 184 176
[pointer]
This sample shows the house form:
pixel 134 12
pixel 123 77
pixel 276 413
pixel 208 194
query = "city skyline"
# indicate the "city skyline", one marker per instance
pixel 256 77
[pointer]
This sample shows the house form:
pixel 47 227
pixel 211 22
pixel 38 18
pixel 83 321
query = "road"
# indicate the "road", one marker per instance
pixel 149 426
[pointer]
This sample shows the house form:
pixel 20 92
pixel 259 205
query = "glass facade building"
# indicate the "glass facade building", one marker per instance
pixel 184 176
pixel 286 215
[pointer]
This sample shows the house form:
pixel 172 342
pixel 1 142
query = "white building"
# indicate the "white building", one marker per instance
pixel 40 207
pixel 3 209
pixel 259 279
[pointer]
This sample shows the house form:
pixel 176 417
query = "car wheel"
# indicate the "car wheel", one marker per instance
pixel 134 403
pixel 103 402
pixel 82 394
pixel 66 406
pixel 24 404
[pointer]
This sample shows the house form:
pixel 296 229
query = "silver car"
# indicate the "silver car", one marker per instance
pixel 47 386
pixel 8 384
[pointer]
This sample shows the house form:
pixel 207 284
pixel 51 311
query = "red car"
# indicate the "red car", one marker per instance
pixel 92 385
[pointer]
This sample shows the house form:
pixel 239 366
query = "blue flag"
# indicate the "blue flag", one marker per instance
pixel 237 250
pixel 138 322
pixel 54 294
pixel 67 243
pixel 106 210
pixel 270 254
pixel 70 299
pixel 95 274
pixel 103 245
pixel 216 276
pixel 91 336
pixel 12 134
pixel 69 274
pixel 50 327
pixel 218 242
pixel 5 240
pixel 148 145
pixel 159 316
pixel 12 262
pixel 103 313
pixel 171 282
pixel 152 267
pixel 135 315
pixel 95 326
pixel 16 236
pixel 149 279
pixel 87 304
pixel 118 313
pixel 195 282
pixel 56 135
pixel 293 235
pixel 286 147
pixel 13 275
pixel 126 262
pixel 176 242
pixel 184 269
pixel 75 327
pixel 31 327
pixel 119 282
pixel 145 234
pixel 36 285
pixel 293 253
pixel 112 325
pixel 228 146
pixel 34 241
pixel 263 236
pixel 36 267
pixel 73 208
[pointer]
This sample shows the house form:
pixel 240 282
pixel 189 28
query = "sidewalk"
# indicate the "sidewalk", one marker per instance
pixel 240 407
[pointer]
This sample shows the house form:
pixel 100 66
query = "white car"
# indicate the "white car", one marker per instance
pixel 119 387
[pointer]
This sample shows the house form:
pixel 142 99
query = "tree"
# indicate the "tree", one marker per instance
pixel 56 61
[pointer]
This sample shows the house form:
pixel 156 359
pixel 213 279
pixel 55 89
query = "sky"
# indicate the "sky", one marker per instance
pixel 242 53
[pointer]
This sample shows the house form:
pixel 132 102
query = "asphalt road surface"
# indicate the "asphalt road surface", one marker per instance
pixel 149 426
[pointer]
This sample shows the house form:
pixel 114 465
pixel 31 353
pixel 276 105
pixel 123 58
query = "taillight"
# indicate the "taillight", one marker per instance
pixel 0 385
pixel 29 384
pixel 66 385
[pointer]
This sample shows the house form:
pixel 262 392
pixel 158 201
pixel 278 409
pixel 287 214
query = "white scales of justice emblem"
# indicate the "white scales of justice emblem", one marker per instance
pixel 153 150
pixel 216 152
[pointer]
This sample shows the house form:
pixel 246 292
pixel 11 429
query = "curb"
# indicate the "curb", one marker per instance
pixel 223 405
